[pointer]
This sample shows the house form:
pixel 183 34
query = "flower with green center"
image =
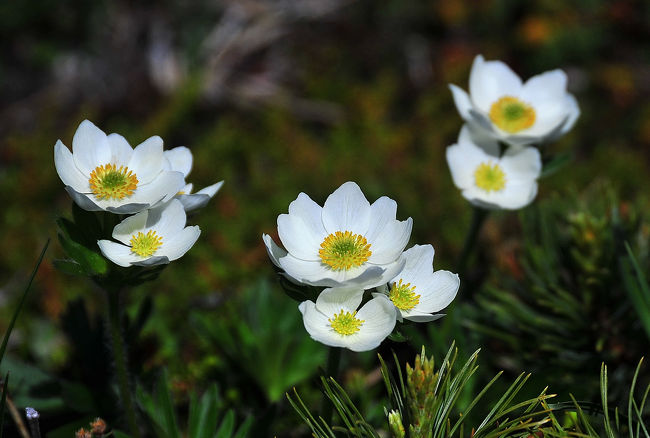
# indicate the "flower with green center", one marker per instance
pixel 335 321
pixel 489 180
pixel 151 237
pixel 103 172
pixel 180 159
pixel 418 292
pixel 506 109
pixel 348 241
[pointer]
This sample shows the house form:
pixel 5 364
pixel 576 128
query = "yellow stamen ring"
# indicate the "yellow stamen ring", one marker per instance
pixel 145 245
pixel 344 250
pixel 490 177
pixel 512 115
pixel 403 295
pixel 109 182
pixel 346 323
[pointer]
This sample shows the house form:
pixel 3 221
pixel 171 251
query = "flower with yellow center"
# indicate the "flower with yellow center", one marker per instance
pixel 518 113
pixel 348 241
pixel 151 237
pixel 180 159
pixel 418 292
pixel 103 172
pixel 335 321
pixel 490 180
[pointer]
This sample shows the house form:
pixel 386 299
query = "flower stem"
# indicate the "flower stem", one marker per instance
pixel 478 217
pixel 332 370
pixel 119 358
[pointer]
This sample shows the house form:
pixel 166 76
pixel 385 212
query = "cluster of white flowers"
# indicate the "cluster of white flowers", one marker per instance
pixel 501 109
pixel 104 173
pixel 351 246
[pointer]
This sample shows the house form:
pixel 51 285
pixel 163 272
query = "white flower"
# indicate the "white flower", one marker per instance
pixel 334 320
pixel 490 181
pixel 180 159
pixel 151 237
pixel 345 242
pixel 517 113
pixel 417 291
pixel 106 173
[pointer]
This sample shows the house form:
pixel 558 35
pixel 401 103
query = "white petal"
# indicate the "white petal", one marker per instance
pixel 181 242
pixel 425 317
pixel 332 301
pixel 318 326
pixel 461 100
pixel 167 219
pixel 308 272
pixel 522 166
pixel 130 208
pixel 463 159
pixel 83 200
pixel 491 80
pixel 151 261
pixel 193 202
pixel 387 236
pixel 210 190
pixel 121 150
pixel 573 114
pixel 419 265
pixel 548 87
pixel 438 292
pixel 180 158
pixel 163 188
pixel 478 137
pixel 90 147
pixel 117 253
pixel 298 238
pixel 310 213
pixel 67 169
pixel 347 209
pixel 147 159
pixel 379 317
pixel 274 251
pixel 132 224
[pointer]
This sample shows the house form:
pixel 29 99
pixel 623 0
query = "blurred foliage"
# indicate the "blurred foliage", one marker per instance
pixel 278 101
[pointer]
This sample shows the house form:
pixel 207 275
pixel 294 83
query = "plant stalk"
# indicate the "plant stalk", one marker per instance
pixel 478 217
pixel 332 370
pixel 120 359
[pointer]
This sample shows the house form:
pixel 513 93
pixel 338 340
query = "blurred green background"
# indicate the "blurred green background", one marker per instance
pixel 277 98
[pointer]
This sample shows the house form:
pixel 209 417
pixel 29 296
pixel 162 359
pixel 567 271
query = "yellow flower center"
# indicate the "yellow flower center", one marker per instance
pixel 145 245
pixel 345 323
pixel 344 250
pixel 109 182
pixel 512 115
pixel 403 296
pixel 489 177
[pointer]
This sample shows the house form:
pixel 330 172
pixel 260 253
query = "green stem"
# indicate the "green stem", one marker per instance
pixel 478 217
pixel 119 358
pixel 332 370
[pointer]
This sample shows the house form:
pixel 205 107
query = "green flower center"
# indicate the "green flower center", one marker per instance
pixel 344 250
pixel 346 323
pixel 489 177
pixel 145 245
pixel 109 182
pixel 403 296
pixel 512 115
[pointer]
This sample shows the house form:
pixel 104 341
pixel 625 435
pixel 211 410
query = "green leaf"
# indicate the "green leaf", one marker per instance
pixel 204 414
pixel 90 261
pixel 3 402
pixel 227 425
pixel 69 267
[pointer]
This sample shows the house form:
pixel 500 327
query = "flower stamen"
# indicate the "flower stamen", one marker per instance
pixel 344 250
pixel 403 295
pixel 346 323
pixel 145 245
pixel 489 177
pixel 512 115
pixel 109 182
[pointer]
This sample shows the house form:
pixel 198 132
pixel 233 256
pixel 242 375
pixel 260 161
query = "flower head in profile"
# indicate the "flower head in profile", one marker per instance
pixel 180 159
pixel 418 291
pixel 151 237
pixel 103 172
pixel 348 241
pixel 335 321
pixel 489 180
pixel 509 110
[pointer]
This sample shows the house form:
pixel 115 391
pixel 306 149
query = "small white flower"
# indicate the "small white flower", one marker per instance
pixel 334 320
pixel 418 291
pixel 151 237
pixel 345 242
pixel 517 113
pixel 180 159
pixel 105 173
pixel 489 180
